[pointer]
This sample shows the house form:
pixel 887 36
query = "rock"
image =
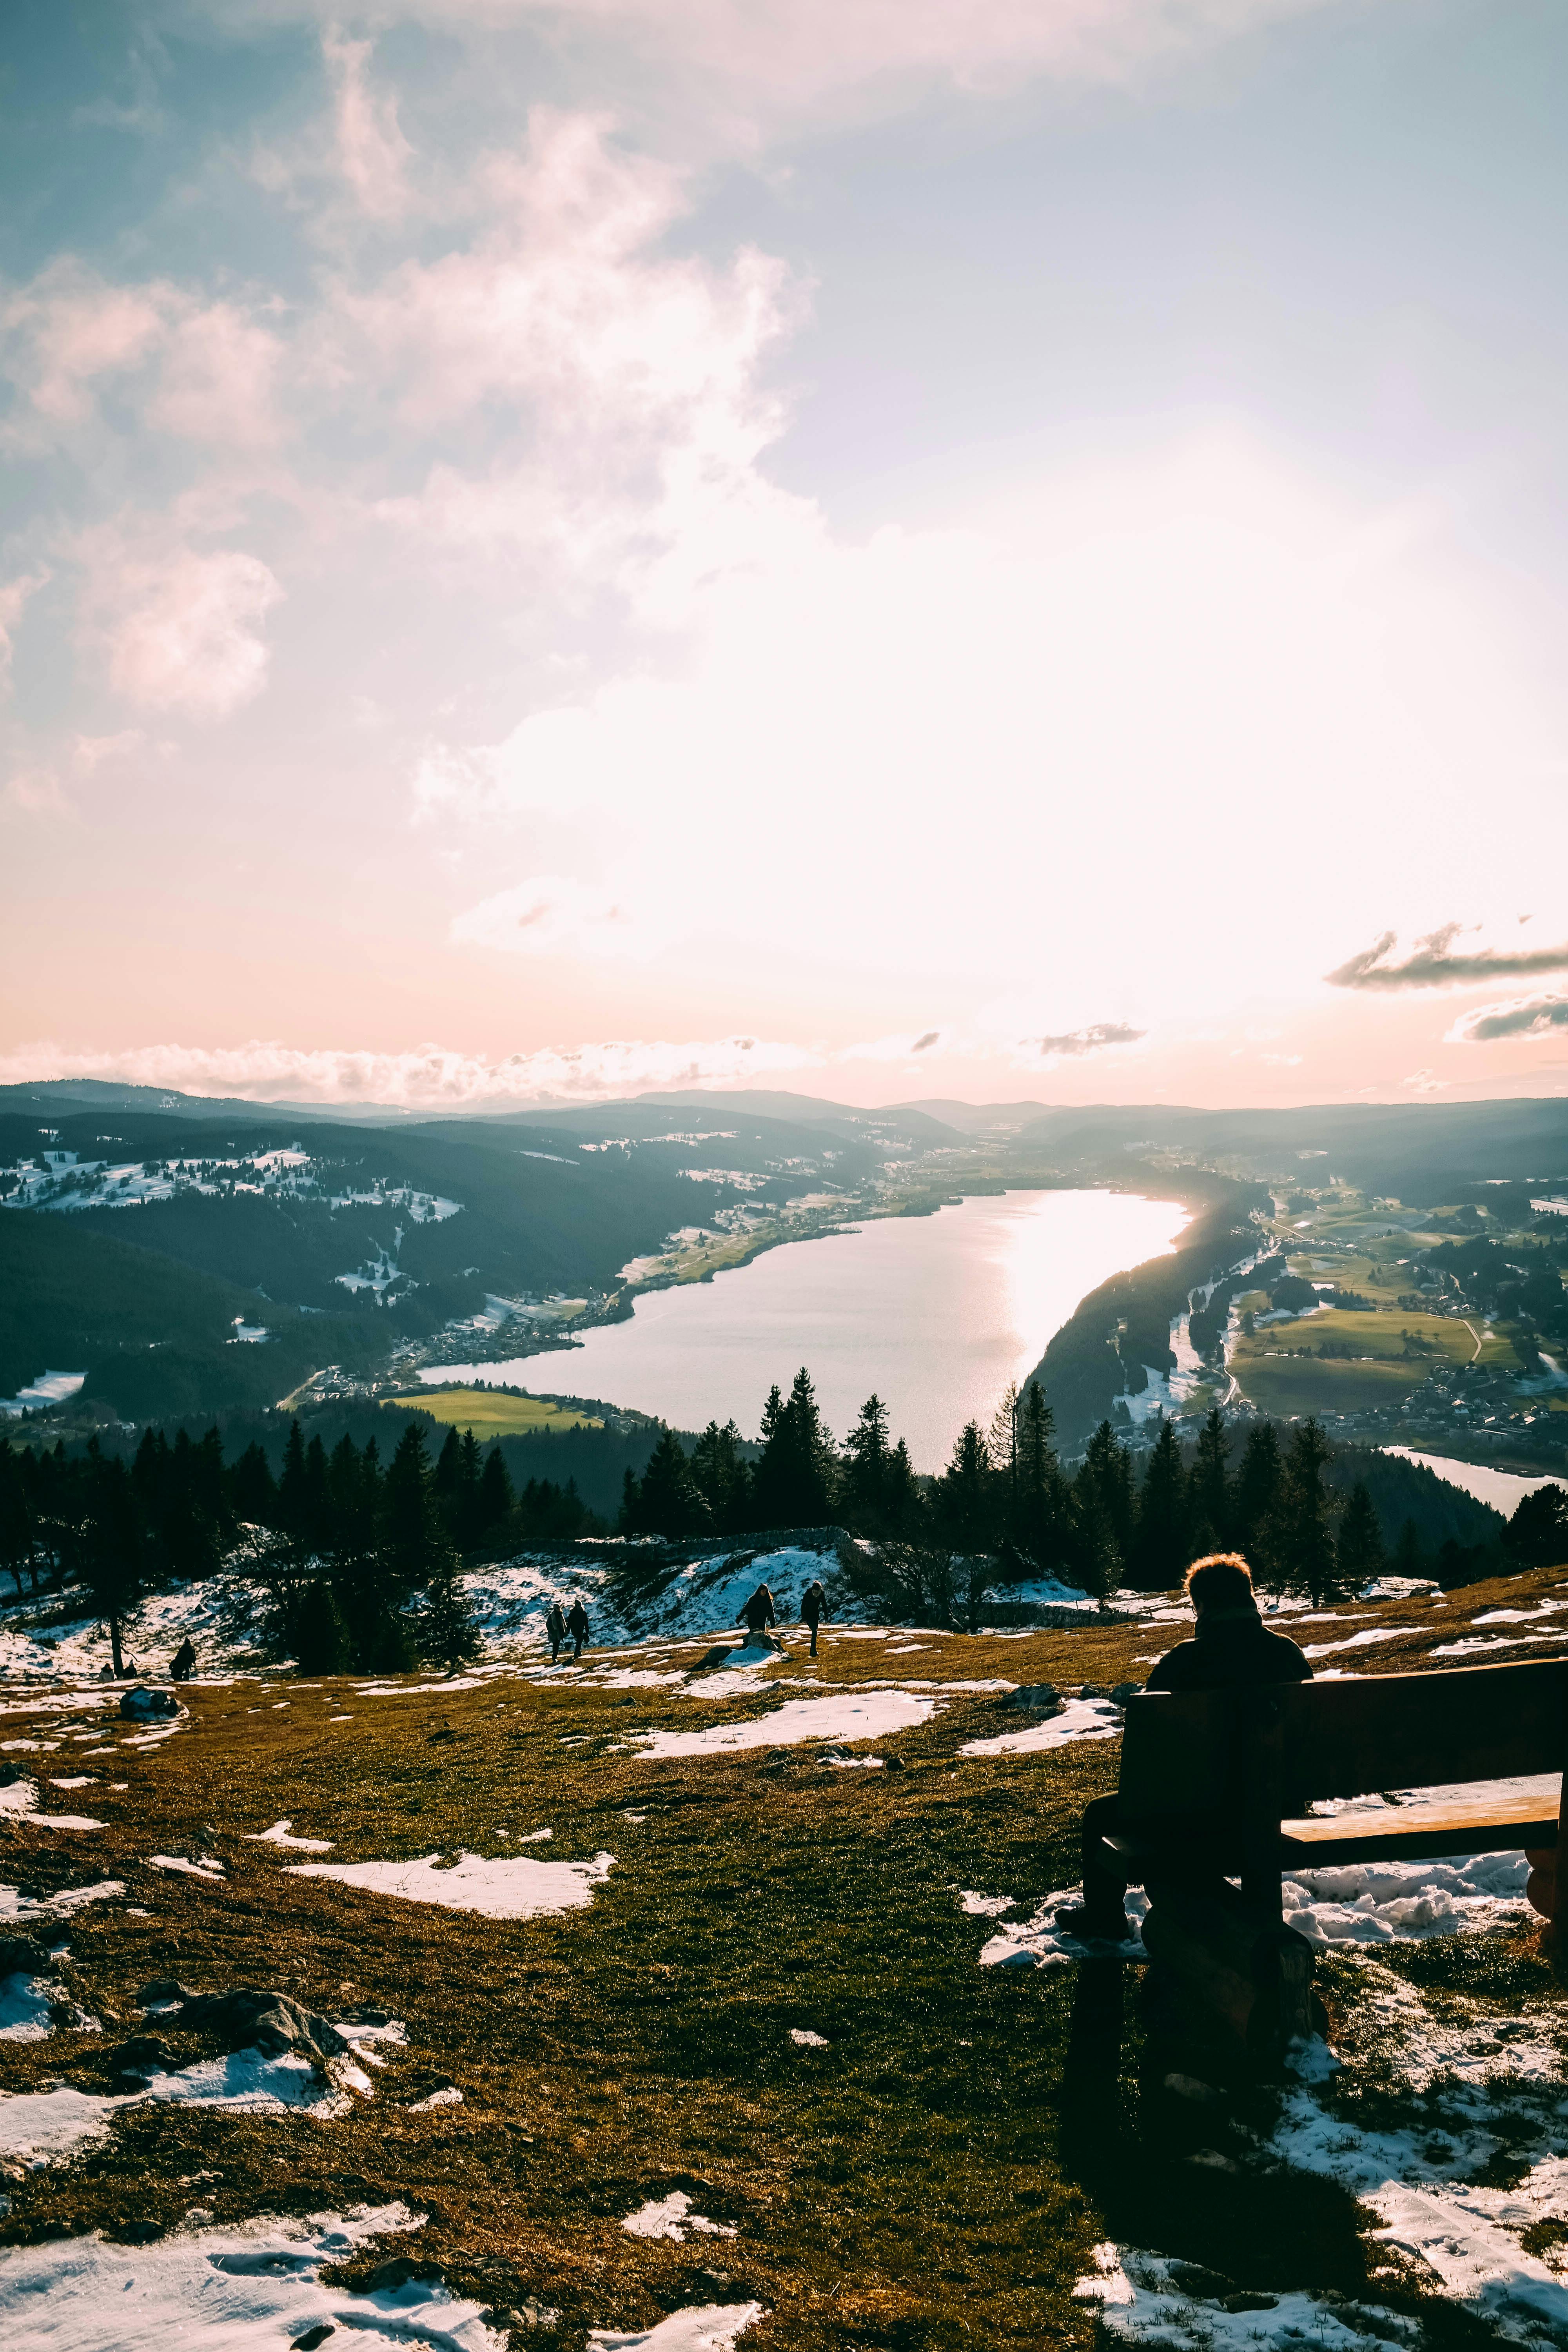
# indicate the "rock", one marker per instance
pixel 1036 1698
pixel 24 1956
pixel 387 2277
pixel 250 2018
pixel 165 1992
pixel 1247 2300
pixel 144 1706
pixel 1122 1692
pixel 1094 1690
pixel 135 2234
pixel 721 1653
pixel 9 1773
pixel 313 2337
pixel 893 1763
pixel 134 2062
pixel 1193 2279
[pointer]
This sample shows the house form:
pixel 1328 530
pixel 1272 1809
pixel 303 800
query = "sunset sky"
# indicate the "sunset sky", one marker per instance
pixel 902 548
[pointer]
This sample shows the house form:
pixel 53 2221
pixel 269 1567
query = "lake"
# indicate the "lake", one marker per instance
pixel 935 1314
pixel 1503 1489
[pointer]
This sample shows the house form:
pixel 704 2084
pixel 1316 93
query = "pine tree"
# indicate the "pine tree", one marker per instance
pixel 446 1479
pixel 794 1479
pixel 1106 1468
pixel 1257 1505
pixel 1409 1560
pixel 964 1493
pixel 293 1488
pixel 1095 1555
pixel 252 1490
pixel 1537 1534
pixel 466 1513
pixel 321 1639
pixel 669 1500
pixel 1160 1547
pixel 722 1476
pixel 903 1501
pixel 1208 1488
pixel 865 1475
pixel 1041 1528
pixel 111 1547
pixel 447 1631
pixel 1308 1548
pixel 496 1499
pixel 1359 1548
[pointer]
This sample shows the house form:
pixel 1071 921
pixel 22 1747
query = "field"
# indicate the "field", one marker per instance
pixel 1351 1360
pixel 490 1413
pixel 932 2169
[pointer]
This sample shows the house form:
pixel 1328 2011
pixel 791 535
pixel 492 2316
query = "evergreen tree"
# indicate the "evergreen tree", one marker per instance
pixel 669 1501
pixel 721 1476
pixel 865 1475
pixel 1258 1503
pixel 1040 1527
pixel 252 1490
pixel 293 1490
pixel 1002 1445
pixel 1409 1560
pixel 794 1479
pixel 321 1639
pixel 1107 1471
pixel 1095 1555
pixel 1537 1534
pixel 1208 1489
pixel 1360 1554
pixel 903 1502
pixel 1307 1546
pixel 465 1516
pixel 1159 1551
pixel 18 1537
pixel 448 1634
pixel 963 1500
pixel 496 1499
pixel 110 1547
pixel 446 1479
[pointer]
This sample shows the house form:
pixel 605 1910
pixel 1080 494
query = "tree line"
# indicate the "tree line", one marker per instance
pixel 1006 1498
pixel 338 1542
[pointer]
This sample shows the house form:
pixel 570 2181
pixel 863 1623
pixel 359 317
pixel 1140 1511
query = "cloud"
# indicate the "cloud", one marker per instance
pixel 427 1077
pixel 1525 1016
pixel 181 628
pixel 373 153
pixel 553 915
pixel 14 597
pixel 1092 1040
pixel 1433 965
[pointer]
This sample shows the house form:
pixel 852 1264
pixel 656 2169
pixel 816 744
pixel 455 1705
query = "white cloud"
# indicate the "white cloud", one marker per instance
pixel 373 153
pixel 13 598
pixel 427 1078
pixel 182 627
pixel 553 916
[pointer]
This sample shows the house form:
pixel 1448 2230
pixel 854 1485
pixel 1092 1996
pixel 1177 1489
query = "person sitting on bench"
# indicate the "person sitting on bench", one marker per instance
pixel 1231 1648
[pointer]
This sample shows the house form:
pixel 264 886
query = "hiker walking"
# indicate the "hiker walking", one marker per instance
pixel 577 1626
pixel 814 1608
pixel 183 1662
pixel 555 1630
pixel 758 1612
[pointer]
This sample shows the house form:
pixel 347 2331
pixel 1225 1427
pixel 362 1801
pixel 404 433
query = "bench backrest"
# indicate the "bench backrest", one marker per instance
pixel 1195 1752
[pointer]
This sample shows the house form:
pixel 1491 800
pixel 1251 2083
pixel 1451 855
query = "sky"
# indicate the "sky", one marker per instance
pixel 893 549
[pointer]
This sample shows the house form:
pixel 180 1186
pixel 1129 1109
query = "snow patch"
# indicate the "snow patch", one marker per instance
pixel 672 2216
pixel 845 1715
pixel 513 1887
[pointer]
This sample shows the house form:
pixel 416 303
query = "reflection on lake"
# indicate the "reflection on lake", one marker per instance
pixel 1503 1489
pixel 936 1314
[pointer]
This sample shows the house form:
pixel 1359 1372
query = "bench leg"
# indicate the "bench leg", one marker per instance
pixel 1540 1893
pixel 1104 1878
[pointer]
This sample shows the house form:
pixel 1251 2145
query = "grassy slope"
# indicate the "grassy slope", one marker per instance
pixel 489 1414
pixel 934 2178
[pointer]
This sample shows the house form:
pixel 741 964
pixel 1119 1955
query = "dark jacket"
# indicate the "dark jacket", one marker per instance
pixel 577 1622
pixel 1231 1650
pixel 759 1610
pixel 813 1604
pixel 556 1624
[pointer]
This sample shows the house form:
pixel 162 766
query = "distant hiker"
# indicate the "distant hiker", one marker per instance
pixel 814 1608
pixel 184 1660
pixel 758 1612
pixel 577 1626
pixel 555 1629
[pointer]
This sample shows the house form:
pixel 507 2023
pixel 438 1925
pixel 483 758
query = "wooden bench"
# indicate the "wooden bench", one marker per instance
pixel 1216 1785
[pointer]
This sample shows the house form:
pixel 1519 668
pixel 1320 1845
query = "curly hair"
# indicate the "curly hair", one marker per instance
pixel 1222 1579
